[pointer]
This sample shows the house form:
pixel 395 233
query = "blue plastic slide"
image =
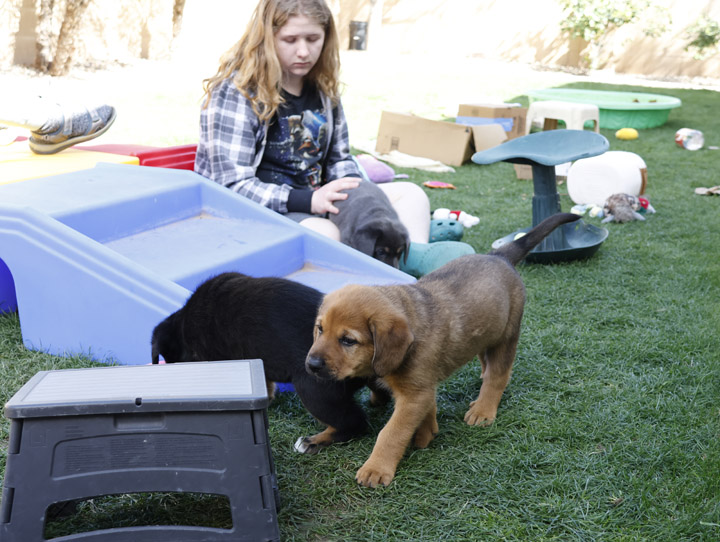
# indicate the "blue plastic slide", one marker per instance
pixel 96 258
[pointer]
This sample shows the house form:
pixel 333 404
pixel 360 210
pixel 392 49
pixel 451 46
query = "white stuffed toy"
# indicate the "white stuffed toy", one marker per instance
pixel 461 216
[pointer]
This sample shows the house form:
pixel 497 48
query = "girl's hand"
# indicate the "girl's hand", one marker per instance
pixel 323 197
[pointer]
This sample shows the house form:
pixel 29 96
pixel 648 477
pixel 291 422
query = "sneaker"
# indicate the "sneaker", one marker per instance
pixel 424 258
pixel 7 136
pixel 74 128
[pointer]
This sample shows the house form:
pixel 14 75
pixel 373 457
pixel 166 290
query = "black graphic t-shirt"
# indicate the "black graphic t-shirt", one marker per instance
pixel 296 138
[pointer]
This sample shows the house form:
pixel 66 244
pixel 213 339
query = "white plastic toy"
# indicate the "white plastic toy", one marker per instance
pixel 461 216
pixel 593 180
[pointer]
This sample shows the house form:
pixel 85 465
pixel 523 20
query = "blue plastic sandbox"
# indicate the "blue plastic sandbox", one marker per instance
pixel 97 258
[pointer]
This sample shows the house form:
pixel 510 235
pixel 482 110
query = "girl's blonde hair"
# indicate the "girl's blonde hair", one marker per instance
pixel 254 63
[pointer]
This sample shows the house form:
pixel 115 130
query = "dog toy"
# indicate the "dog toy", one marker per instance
pixel 627 133
pixel 445 230
pixel 438 184
pixel 424 258
pixel 377 171
pixel 626 208
pixel 645 206
pixel 589 208
pixel 461 216
pixel 712 191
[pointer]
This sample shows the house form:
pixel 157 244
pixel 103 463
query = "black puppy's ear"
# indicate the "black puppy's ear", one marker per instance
pixel 365 238
pixel 155 340
pixel 167 341
pixel 391 338
pixel 155 354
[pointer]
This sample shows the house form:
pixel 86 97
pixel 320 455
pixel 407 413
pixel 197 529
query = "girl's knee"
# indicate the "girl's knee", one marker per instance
pixel 323 226
pixel 405 191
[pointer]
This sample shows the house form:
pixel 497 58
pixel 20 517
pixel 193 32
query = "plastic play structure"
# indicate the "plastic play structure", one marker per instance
pixel 18 163
pixel 637 110
pixel 543 151
pixel 95 258
pixel 593 180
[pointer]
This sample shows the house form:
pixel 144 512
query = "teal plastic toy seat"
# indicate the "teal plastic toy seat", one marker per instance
pixel 543 151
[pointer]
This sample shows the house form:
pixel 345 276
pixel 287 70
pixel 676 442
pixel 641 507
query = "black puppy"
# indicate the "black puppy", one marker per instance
pixel 368 222
pixel 233 316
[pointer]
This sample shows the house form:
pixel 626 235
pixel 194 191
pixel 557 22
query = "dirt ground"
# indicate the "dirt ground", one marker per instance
pixel 158 101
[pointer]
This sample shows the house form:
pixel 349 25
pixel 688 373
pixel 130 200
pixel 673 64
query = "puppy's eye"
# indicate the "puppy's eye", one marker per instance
pixel 319 329
pixel 347 341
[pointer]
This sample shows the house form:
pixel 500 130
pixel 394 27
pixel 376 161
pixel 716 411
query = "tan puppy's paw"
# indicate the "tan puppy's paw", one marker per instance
pixel 423 437
pixel 426 433
pixel 374 476
pixel 477 415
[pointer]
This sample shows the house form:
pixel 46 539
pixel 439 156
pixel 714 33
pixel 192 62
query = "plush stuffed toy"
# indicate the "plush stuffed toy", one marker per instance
pixel 626 208
pixel 461 216
pixel 377 171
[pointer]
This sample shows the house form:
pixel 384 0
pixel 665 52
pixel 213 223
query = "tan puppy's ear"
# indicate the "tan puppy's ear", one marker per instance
pixel 392 338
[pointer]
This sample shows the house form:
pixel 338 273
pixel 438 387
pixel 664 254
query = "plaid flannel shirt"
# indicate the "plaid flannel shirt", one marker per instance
pixel 232 143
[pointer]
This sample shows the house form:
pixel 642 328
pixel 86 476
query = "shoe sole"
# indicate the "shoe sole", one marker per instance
pixel 47 148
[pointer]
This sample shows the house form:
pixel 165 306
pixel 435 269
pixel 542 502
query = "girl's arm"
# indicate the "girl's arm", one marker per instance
pixel 231 145
pixel 339 162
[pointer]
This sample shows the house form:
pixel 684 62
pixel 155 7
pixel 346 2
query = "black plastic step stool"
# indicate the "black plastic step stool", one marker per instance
pixel 183 427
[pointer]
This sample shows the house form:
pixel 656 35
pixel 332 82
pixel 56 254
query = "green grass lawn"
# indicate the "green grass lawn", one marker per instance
pixel 610 427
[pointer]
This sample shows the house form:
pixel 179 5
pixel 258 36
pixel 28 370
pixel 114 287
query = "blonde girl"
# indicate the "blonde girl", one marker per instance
pixel 272 126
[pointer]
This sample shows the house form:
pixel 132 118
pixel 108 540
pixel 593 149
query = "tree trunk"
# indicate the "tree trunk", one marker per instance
pixel 375 24
pixel 43 45
pixel 74 11
pixel 178 8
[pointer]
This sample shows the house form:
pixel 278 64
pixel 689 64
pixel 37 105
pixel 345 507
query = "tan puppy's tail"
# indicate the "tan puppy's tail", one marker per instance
pixel 516 251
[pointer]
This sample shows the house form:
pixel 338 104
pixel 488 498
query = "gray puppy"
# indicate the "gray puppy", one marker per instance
pixel 368 223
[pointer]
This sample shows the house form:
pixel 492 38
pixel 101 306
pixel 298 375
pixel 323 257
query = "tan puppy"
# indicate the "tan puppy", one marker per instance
pixel 414 336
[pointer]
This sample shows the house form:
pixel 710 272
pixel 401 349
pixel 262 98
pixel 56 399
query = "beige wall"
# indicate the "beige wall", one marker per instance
pixel 528 31
pixel 518 30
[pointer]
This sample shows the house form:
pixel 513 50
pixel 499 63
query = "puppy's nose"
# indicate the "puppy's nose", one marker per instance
pixel 314 364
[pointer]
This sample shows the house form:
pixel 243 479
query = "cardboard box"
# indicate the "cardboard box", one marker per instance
pixel 450 143
pixel 510 116
pixel 524 171
pixel 486 136
pixel 446 142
